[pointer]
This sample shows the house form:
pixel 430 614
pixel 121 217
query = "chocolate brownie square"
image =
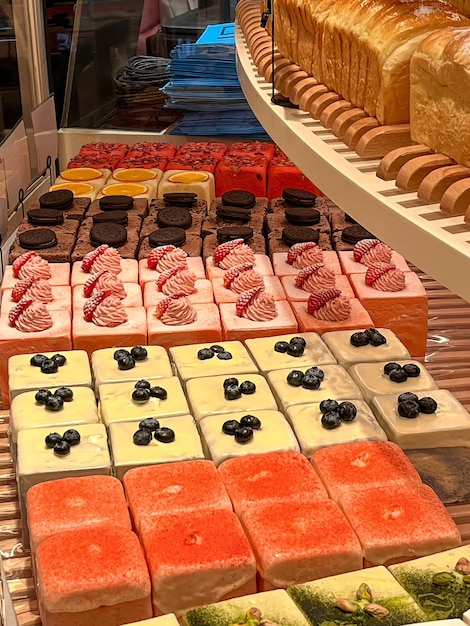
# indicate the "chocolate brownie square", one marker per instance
pixel 192 246
pixel 257 243
pixel 214 220
pixel 127 251
pixel 140 207
pixel 76 212
pixel 343 225
pixel 61 252
pixel 276 244
pixel 198 208
pixel 276 222
pixel 150 224
pixel 68 227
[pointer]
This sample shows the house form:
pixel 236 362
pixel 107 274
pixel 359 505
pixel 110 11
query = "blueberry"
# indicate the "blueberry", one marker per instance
pixel 230 426
pixel 72 437
pixel 142 437
pixel 404 397
pixel 359 339
pixel 120 354
pixel 244 434
pixel 164 434
pixel 149 423
pixel 316 371
pixel 62 448
pixel 330 420
pixel 388 367
pixel 398 375
pixel 375 337
pixel 159 392
pixel 232 393
pixel 311 382
pixel 412 370
pixel 252 421
pixel 409 409
pixel 230 382
pixel 326 406
pixel 42 395
pixel 37 360
pixel 204 354
pixel 216 349
pixel 141 395
pixel 139 353
pixel 52 439
pixel 65 393
pixel 281 346
pixel 347 411
pixel 294 378
pixel 298 341
pixel 295 349
pixel 224 356
pixel 427 405
pixel 59 359
pixel 142 384
pixel 49 366
pixel 126 363
pixel 53 403
pixel 247 387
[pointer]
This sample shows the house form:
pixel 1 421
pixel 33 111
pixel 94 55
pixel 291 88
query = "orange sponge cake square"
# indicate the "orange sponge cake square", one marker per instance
pixel 90 337
pixel 235 327
pixel 358 318
pixel 206 328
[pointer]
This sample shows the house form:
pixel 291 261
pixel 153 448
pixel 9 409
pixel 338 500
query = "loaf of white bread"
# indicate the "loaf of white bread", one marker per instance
pixel 440 93
pixel 361 48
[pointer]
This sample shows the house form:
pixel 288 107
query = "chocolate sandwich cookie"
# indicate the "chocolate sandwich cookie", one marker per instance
pixel 111 217
pixel 302 216
pixel 181 199
pixel 229 233
pixel 239 198
pixel 60 200
pixel 299 234
pixel 38 239
pixel 355 233
pixel 112 234
pixel 45 217
pixel 116 203
pixel 233 213
pixel 174 217
pixel 167 236
pixel 299 197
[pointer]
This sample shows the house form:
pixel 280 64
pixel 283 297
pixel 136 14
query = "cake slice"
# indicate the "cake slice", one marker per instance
pixel 200 291
pixel 298 288
pixel 165 258
pixel 282 267
pixel 183 181
pixel 330 310
pixel 131 291
pixel 32 265
pixel 57 298
pixel 223 294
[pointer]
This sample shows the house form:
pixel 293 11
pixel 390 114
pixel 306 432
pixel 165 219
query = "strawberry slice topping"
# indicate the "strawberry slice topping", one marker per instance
pixel 320 298
pixel 21 287
pixel 89 285
pixel 167 274
pixel 362 247
pixel 91 304
pixel 245 299
pixel 164 304
pixel 22 260
pixel 156 255
pixel 224 249
pixel 233 272
pixel 376 270
pixel 304 274
pixel 297 249
pixel 18 309
pixel 91 257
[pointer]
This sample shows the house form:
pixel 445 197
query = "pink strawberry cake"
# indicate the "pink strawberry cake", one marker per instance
pixel 233 253
pixel 166 258
pixel 302 255
pixel 104 258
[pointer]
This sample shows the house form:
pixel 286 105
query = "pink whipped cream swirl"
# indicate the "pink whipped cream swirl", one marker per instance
pixel 109 260
pixel 176 310
pixel 166 258
pixel 110 281
pixel 29 316
pixel 35 288
pixel 315 277
pixel 246 280
pixel 369 251
pixel 385 277
pixel 31 265
pixel 177 280
pixel 329 306
pixel 240 254
pixel 109 313
pixel 256 305
pixel 302 255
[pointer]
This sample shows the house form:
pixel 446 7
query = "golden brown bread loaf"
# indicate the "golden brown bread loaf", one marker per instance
pixel 361 48
pixel 440 93
pixel 462 6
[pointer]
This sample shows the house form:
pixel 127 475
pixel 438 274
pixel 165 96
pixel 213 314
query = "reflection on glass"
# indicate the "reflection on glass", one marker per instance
pixel 10 98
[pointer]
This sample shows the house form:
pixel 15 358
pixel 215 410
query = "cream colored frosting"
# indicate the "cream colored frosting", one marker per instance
pixel 35 267
pixel 106 370
pixel 34 318
pixel 189 366
pixel 110 313
pixel 339 342
pixel 262 308
pixel 267 359
pixel 334 310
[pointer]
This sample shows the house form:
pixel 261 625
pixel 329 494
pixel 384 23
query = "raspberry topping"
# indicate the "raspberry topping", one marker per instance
pixel 377 270
pixel 362 247
pixel 245 299
pixel 156 255
pixel 22 260
pixel 297 249
pixel 91 304
pixel 18 309
pixel 167 274
pixel 164 304
pixel 91 282
pixel 304 274
pixel 233 272
pixel 21 287
pixel 225 249
pixel 320 298
pixel 91 257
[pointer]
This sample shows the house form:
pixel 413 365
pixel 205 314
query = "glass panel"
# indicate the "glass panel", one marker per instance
pixel 10 96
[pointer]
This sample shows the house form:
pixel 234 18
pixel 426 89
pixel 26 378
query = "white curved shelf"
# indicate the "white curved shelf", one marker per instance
pixel 435 242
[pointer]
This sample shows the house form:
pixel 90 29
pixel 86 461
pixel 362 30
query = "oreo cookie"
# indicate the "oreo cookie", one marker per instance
pixel 302 216
pixel 183 199
pixel 59 200
pixel 112 234
pixel 239 198
pixel 299 197
pixel 233 213
pixel 229 233
pixel 116 203
pixel 111 217
pixel 299 234
pixel 167 236
pixel 45 217
pixel 174 217
pixel 38 239
pixel 353 234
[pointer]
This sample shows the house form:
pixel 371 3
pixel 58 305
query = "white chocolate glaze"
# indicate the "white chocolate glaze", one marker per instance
pixel 105 368
pixel 189 366
pixel 346 354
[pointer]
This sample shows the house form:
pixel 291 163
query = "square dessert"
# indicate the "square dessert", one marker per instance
pixel 347 353
pixel 146 274
pixel 68 226
pixel 283 268
pixel 294 542
pixel 282 173
pixel 256 243
pixel 186 445
pixel 191 202
pixel 336 383
pixel 190 364
pixel 151 223
pixel 358 318
pixel 350 266
pixel 258 149
pixel 155 149
pixel 59 252
pixel 170 489
pixel 138 191
pixel 274 606
pixel 76 211
pixel 110 586
pixel 405 311
pixel 118 405
pixel 278 220
pixel 282 245
pixel 247 173
pixel 155 364
pixel 97 178
pixel 192 246
pixel 74 503
pixel 193 162
pixel 79 190
pixel 213 149
pixel 61 299
pixel 447 426
pixel 318 599
pixel 313 434
pixel 203 295
pixel 418 578
pixel 205 328
pixel 127 250
pixel 58 275
pixel 235 327
pixel 272 285
pixel 138 209
pixel 197 558
pixel 354 465
pixel 297 294
pixel 394 525
pixel 275 353
pixel 262 265
pixel 373 381
pixel 222 214
pixel 208 396
pixel 129 272
pixel 270 433
pixel 149 177
pixel 184 181
pixel 133 297
pixel 268 478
